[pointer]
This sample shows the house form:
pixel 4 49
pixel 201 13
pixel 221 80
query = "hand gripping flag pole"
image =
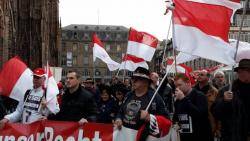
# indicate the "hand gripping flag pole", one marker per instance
pixel 238 40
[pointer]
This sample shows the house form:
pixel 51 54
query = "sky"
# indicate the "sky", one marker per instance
pixel 143 15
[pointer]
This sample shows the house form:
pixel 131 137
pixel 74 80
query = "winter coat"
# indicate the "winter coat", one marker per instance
pixel 191 113
pixel 105 111
pixel 77 105
pixel 234 115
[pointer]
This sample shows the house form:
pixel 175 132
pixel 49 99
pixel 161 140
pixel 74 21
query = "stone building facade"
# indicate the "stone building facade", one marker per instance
pixel 76 52
pixel 30 29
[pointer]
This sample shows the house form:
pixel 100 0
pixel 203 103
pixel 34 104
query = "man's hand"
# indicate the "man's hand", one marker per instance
pixel 228 96
pixel 179 95
pixel 118 124
pixel 3 122
pixel 43 103
pixel 82 121
pixel 145 115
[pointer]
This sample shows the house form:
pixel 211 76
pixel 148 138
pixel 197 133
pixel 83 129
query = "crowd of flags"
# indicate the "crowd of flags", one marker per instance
pixel 141 48
pixel 200 29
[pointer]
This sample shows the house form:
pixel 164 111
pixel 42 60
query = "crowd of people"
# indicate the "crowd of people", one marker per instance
pixel 211 109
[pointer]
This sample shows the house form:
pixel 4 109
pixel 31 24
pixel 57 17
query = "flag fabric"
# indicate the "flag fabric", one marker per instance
pixel 180 68
pixel 51 91
pixel 100 52
pixel 141 44
pixel 201 28
pixel 131 62
pixel 159 127
pixel 243 49
pixel 184 57
pixel 15 79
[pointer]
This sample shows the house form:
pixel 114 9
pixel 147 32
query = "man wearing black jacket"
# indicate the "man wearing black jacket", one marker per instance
pixel 232 108
pixel 191 111
pixel 132 113
pixel 77 103
pixel 2 108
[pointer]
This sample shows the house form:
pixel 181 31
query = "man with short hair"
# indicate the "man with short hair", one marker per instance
pixel 34 105
pixel 77 103
pixel 191 111
pixel 232 107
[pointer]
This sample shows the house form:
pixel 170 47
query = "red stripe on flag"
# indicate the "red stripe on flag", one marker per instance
pixel 96 40
pixel 11 72
pixel 211 19
pixel 132 58
pixel 142 37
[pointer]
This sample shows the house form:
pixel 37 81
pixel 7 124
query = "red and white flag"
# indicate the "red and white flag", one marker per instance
pixel 180 68
pixel 201 28
pixel 130 62
pixel 51 91
pixel 100 52
pixel 15 79
pixel 141 44
pixel 243 49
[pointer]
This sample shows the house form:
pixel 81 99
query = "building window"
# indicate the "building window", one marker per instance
pixel 86 36
pixel 107 47
pixel 63 46
pixel 64 60
pixel 69 59
pixel 75 47
pixel 97 72
pixel 119 48
pixel 86 72
pixel 86 47
pixel 74 60
pixel 85 60
pixel 107 37
pixel 75 35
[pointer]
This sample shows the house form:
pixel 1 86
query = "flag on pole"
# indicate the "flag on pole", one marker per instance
pixel 15 79
pixel 243 49
pixel 141 44
pixel 201 28
pixel 181 68
pixel 100 52
pixel 131 62
pixel 51 91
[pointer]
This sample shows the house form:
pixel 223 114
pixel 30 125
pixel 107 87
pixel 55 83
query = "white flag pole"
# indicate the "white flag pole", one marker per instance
pixel 165 76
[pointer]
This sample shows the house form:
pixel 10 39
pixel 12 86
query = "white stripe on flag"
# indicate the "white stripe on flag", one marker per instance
pixel 131 66
pixel 204 45
pixel 24 83
pixel 140 50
